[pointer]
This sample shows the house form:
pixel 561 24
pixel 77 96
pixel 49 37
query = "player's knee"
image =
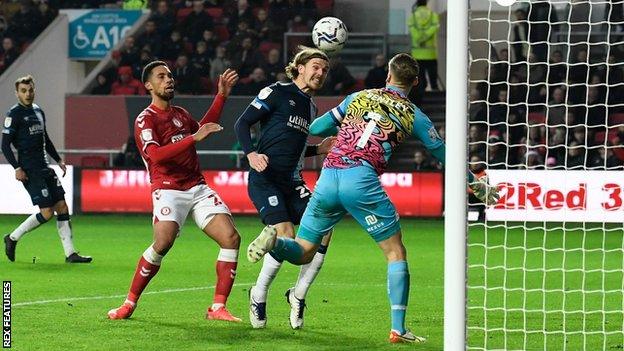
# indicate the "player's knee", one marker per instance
pixel 61 207
pixel 47 213
pixel 231 239
pixel 163 245
pixel 286 230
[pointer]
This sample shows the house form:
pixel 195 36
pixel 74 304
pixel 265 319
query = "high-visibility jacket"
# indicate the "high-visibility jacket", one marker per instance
pixel 134 4
pixel 423 26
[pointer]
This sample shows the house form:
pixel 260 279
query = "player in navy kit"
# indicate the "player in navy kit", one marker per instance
pixel 24 128
pixel 284 111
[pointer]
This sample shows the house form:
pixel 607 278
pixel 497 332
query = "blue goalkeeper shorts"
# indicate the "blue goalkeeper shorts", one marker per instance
pixel 354 190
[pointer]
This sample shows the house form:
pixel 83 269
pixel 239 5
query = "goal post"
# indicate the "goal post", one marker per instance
pixel 535 99
pixel 455 209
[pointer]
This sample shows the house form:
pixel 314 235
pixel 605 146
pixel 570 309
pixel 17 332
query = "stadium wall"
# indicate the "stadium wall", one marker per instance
pixel 106 122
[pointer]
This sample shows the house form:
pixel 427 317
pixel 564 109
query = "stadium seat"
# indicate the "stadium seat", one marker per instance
pixel 267 46
pixel 616 118
pixel 182 13
pixel 222 32
pixel 94 162
pixel 215 13
pixel 537 117
pixel 324 7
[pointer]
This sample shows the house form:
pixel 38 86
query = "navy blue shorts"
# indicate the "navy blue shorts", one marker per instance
pixel 277 203
pixel 44 188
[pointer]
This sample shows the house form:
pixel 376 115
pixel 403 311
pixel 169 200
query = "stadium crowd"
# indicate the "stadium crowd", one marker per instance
pixel 556 106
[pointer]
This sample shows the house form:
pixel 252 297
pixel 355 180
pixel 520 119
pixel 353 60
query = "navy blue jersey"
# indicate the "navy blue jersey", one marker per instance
pixel 285 113
pixel 24 127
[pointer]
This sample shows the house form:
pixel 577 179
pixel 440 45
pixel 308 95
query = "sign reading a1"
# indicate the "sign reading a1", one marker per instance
pixel 92 33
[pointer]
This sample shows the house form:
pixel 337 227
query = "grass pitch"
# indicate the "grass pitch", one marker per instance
pixel 58 306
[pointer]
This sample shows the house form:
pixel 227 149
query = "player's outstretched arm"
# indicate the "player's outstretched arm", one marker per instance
pixel 160 154
pixel 227 80
pixel 324 126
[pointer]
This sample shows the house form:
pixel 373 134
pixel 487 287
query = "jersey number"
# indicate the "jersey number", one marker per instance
pixel 303 191
pixel 370 127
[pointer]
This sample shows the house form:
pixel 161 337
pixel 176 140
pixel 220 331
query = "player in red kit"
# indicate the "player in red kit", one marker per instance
pixel 166 135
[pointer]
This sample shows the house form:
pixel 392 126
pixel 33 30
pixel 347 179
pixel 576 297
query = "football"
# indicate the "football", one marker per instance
pixel 329 34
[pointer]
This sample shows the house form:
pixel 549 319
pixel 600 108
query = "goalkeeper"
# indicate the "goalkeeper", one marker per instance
pixel 369 125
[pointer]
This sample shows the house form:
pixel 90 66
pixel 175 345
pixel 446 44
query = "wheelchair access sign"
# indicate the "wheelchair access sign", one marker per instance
pixel 93 33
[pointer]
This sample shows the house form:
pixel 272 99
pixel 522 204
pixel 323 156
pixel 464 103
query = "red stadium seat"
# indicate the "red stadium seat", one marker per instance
pixel 182 13
pixel 325 7
pixel 537 117
pixel 267 46
pixel 222 32
pixel 94 162
pixel 206 84
pixel 215 12
pixel 616 118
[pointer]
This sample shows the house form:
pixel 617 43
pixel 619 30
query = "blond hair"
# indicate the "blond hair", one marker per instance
pixel 27 79
pixel 303 56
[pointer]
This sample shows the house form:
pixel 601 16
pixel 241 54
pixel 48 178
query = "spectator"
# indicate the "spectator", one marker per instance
pixel 111 72
pixel 533 160
pixel 423 26
pixel 25 23
pixel 46 14
pixel 278 12
pixel 422 162
pixel 557 73
pixel 498 113
pixel 127 84
pixel 596 107
pixel 9 53
pixel 496 154
pixel 273 66
pixel 102 87
pixel 219 64
pixel 129 157
pixel 243 31
pixel 196 22
pixel 134 4
pixel 244 12
pixel 478 107
pixel 557 143
pixel 211 41
pixel 543 19
pixel 130 54
pixel 521 36
pixel 164 19
pixel 150 38
pixel 282 78
pixel 255 82
pixel 576 156
pixel 557 107
pixel 146 57
pixel 246 58
pixel 173 46
pixel 339 80
pixel 201 59
pixel 376 77
pixel 187 80
pixel 265 28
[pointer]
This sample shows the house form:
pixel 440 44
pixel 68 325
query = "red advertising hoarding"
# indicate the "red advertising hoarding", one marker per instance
pixel 414 194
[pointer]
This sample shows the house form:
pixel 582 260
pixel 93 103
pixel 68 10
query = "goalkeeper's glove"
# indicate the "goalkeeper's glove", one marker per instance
pixel 484 191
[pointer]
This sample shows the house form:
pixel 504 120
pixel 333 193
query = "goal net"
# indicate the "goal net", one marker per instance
pixel 545 266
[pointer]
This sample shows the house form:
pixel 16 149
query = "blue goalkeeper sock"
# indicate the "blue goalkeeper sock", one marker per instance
pixel 398 292
pixel 287 249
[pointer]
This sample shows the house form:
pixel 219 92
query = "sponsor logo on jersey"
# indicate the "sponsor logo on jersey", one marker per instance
pixel 273 201
pixel 146 135
pixel 298 123
pixel 176 138
pixel 433 134
pixel 35 129
pixel 165 211
pixel 7 122
pixel 264 93
pixel 292 103
pixel 177 122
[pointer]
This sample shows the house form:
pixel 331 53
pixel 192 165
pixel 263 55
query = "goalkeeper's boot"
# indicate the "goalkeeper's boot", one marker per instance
pixel 9 247
pixel 122 312
pixel 407 337
pixel 76 258
pixel 257 312
pixel 296 309
pixel 262 244
pixel 221 314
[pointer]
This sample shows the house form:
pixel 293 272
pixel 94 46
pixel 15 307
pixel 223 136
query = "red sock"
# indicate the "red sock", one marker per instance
pixel 226 272
pixel 145 271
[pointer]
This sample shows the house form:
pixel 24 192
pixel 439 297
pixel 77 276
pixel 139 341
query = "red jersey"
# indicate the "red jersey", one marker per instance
pixel 161 128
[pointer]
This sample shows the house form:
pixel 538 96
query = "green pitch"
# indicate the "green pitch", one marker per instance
pixel 57 306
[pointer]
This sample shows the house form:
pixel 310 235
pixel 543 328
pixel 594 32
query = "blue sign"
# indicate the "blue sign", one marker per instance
pixel 93 33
